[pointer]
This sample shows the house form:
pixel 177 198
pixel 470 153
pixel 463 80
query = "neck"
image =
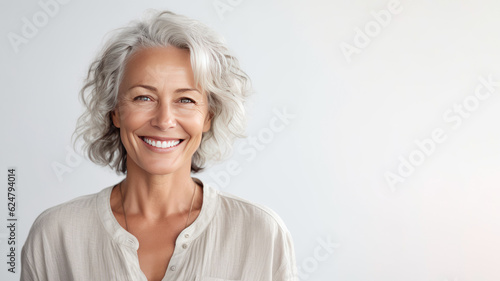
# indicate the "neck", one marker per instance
pixel 155 197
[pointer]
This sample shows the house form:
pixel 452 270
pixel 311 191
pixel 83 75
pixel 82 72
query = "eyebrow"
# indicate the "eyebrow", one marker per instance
pixel 177 91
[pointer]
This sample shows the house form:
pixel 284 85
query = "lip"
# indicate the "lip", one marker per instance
pixel 160 138
pixel 159 149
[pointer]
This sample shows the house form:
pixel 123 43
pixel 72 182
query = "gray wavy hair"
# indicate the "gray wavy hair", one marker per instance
pixel 214 68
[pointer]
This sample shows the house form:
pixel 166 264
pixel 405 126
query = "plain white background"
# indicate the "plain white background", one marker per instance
pixel 367 90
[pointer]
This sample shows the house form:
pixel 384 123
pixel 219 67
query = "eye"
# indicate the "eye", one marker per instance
pixel 187 99
pixel 142 98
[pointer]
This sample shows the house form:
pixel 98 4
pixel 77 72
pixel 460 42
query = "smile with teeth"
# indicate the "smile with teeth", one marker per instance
pixel 161 144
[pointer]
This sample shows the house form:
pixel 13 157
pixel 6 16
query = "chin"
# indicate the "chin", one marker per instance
pixel 159 166
pixel 161 170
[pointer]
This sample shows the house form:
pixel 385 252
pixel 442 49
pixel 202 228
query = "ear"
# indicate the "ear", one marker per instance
pixel 115 116
pixel 208 122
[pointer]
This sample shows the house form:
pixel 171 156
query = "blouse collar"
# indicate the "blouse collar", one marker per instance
pixel 122 236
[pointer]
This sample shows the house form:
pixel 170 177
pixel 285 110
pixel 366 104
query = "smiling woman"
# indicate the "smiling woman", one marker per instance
pixel 158 101
pixel 164 98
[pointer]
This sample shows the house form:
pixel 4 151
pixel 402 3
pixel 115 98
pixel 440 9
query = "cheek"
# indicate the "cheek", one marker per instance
pixel 193 119
pixel 188 111
pixel 132 117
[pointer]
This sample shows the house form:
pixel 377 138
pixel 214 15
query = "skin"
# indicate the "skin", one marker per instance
pixel 158 188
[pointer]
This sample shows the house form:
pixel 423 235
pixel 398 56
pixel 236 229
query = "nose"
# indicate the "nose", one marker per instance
pixel 164 117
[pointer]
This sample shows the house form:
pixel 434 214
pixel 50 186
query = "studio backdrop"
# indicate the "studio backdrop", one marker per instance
pixel 373 128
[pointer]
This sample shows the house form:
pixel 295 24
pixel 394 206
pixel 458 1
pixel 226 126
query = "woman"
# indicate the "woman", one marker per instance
pixel 162 99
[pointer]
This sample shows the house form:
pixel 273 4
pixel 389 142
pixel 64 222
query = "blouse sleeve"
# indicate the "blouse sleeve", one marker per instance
pixel 34 256
pixel 285 252
pixel 27 269
pixel 28 257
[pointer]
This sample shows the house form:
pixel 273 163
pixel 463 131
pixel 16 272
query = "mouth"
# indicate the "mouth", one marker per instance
pixel 159 143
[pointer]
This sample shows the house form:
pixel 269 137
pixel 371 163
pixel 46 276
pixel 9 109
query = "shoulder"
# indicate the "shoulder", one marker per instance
pixel 259 230
pixel 71 209
pixel 55 234
pixel 250 212
pixel 63 218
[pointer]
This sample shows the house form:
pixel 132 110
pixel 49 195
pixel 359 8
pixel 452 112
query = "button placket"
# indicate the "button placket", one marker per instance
pixel 185 244
pixel 175 256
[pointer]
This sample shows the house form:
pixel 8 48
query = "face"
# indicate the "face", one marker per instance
pixel 159 105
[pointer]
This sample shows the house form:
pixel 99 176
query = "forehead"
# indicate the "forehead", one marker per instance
pixel 160 66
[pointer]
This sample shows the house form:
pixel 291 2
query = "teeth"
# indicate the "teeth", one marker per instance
pixel 162 144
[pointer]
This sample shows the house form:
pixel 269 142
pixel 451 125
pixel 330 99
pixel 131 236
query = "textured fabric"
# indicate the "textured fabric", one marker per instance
pixel 231 239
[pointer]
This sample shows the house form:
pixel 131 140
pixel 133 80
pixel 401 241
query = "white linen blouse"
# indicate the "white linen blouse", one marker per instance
pixel 231 239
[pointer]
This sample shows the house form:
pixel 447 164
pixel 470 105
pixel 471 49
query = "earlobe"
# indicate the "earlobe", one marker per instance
pixel 208 124
pixel 115 118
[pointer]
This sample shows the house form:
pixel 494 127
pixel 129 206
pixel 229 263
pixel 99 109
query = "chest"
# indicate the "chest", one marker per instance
pixel 156 247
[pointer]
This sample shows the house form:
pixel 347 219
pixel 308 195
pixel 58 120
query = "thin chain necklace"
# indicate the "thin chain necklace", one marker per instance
pixel 125 214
